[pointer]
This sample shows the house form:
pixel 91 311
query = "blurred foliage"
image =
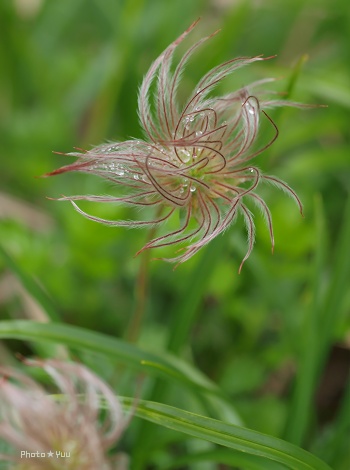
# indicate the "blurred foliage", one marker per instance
pixel 69 77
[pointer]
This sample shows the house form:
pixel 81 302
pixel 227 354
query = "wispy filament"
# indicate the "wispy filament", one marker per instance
pixel 193 160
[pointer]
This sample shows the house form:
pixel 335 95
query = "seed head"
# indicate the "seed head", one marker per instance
pixel 195 160
pixel 50 434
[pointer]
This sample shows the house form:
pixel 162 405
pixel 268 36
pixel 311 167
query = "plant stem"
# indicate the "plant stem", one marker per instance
pixel 141 288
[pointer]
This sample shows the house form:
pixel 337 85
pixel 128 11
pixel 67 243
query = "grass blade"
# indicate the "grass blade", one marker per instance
pixel 319 326
pixel 76 337
pixel 32 287
pixel 228 435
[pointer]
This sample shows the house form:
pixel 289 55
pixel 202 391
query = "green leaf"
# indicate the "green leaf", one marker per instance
pixel 163 365
pixel 229 435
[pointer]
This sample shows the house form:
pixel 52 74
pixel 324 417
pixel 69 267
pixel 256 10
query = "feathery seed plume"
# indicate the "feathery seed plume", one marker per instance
pixel 195 161
pixel 48 434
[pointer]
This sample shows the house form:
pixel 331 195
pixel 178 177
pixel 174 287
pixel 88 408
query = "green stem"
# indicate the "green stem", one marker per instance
pixel 134 327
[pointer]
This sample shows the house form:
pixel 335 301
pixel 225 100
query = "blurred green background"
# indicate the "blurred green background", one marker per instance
pixel 275 338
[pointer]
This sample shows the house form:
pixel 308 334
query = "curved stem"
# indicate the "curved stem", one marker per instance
pixel 141 290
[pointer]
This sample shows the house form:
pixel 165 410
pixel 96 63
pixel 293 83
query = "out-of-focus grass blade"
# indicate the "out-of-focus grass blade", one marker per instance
pixel 301 407
pixel 295 75
pixel 335 450
pixel 328 91
pixel 184 312
pixel 55 17
pixel 47 309
pixel 105 102
pixel 161 365
pixel 230 457
pixel 317 332
pixel 339 281
pixel 213 403
pixel 32 287
pixel 234 437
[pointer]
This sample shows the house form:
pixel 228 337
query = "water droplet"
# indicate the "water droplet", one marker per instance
pixel 109 149
pixel 193 189
pixel 136 143
pixel 251 170
pixel 184 185
pixel 117 169
pixel 185 155
pixel 250 107
pixel 198 91
pixel 136 177
pixel 199 133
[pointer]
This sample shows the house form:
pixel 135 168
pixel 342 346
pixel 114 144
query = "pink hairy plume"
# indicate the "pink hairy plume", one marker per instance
pixel 195 160
pixel 44 432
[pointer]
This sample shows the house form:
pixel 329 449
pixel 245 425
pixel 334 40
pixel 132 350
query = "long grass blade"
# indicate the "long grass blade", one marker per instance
pixel 228 435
